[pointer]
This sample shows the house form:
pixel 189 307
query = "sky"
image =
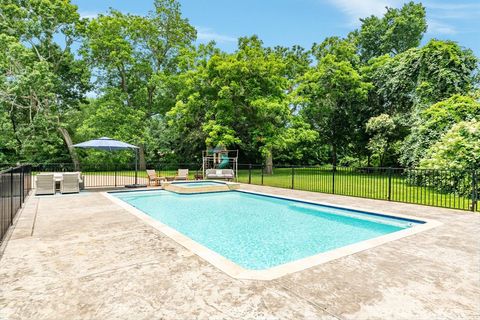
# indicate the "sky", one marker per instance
pixel 302 22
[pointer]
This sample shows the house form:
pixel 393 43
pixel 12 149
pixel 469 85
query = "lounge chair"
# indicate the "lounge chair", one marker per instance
pixel 227 174
pixel 182 174
pixel 70 183
pixel 45 184
pixel 152 177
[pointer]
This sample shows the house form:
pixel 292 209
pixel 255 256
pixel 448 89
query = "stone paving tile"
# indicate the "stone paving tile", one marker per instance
pixel 90 259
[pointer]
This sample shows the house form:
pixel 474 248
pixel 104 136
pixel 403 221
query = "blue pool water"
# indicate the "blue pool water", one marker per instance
pixel 198 184
pixel 259 232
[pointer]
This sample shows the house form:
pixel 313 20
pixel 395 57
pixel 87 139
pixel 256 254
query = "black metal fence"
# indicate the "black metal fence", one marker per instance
pixel 15 184
pixel 106 176
pixel 441 188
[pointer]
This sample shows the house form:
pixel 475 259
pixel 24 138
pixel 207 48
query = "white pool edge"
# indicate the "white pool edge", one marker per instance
pixel 238 272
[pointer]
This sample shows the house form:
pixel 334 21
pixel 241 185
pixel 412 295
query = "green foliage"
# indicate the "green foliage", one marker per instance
pixel 137 58
pixel 433 122
pixel 458 149
pixel 421 76
pixel 356 98
pixel 397 31
pixel 236 99
pixel 444 69
pixel 382 129
pixel 341 49
pixel 41 81
pixel 329 95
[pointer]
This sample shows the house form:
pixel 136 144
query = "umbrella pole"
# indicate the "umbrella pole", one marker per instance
pixel 136 165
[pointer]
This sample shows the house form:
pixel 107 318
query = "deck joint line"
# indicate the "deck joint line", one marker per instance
pixel 35 217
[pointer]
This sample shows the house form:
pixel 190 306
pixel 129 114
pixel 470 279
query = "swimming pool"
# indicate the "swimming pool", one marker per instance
pixel 259 232
pixel 198 184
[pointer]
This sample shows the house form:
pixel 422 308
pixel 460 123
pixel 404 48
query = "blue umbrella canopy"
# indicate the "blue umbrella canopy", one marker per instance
pixel 105 143
pixel 109 144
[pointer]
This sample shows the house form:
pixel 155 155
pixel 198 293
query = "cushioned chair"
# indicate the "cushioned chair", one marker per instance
pixel 182 174
pixel 45 184
pixel 70 183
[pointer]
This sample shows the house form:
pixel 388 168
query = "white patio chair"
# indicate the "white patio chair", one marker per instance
pixel 182 174
pixel 45 184
pixel 70 183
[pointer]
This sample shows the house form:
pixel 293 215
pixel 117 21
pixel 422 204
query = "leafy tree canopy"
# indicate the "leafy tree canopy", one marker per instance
pixel 397 31
pixel 458 149
pixel 433 122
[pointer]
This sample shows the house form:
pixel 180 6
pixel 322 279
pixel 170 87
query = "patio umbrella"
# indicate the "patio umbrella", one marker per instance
pixel 109 144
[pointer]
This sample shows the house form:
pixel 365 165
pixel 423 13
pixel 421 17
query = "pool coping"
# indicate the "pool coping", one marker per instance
pixel 235 271
pixel 175 186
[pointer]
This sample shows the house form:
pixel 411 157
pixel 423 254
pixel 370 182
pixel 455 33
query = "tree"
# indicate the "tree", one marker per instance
pixel 382 131
pixel 397 31
pixel 420 77
pixel 138 56
pixel 236 100
pixel 433 122
pixel 330 94
pixel 458 150
pixel 41 81
pixel 109 116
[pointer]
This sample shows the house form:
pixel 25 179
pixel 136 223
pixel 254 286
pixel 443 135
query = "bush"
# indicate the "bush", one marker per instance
pixel 433 122
pixel 459 151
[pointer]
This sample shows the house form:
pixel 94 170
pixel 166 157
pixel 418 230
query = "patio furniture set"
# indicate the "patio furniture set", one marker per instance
pixel 66 182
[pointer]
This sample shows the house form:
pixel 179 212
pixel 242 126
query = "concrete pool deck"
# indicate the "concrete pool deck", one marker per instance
pixel 84 257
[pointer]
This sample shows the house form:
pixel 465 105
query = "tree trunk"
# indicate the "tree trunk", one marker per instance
pixel 141 158
pixel 269 163
pixel 334 156
pixel 15 133
pixel 68 141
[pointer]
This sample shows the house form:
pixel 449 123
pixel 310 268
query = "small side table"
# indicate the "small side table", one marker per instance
pixel 199 176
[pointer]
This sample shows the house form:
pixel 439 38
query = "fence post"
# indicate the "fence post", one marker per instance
pixel 115 173
pixel 333 178
pixel 11 196
pixel 262 174
pixel 293 177
pixel 389 183
pixel 250 173
pixel 22 186
pixel 474 190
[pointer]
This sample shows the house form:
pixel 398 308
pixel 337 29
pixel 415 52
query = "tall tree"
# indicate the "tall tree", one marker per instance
pixel 136 57
pixel 238 100
pixel 397 31
pixel 41 81
pixel 331 94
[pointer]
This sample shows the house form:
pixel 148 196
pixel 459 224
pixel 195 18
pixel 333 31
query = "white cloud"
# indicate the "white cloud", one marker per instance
pixel 356 9
pixel 442 11
pixel 438 27
pixel 437 12
pixel 88 14
pixel 207 34
pixel 452 5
